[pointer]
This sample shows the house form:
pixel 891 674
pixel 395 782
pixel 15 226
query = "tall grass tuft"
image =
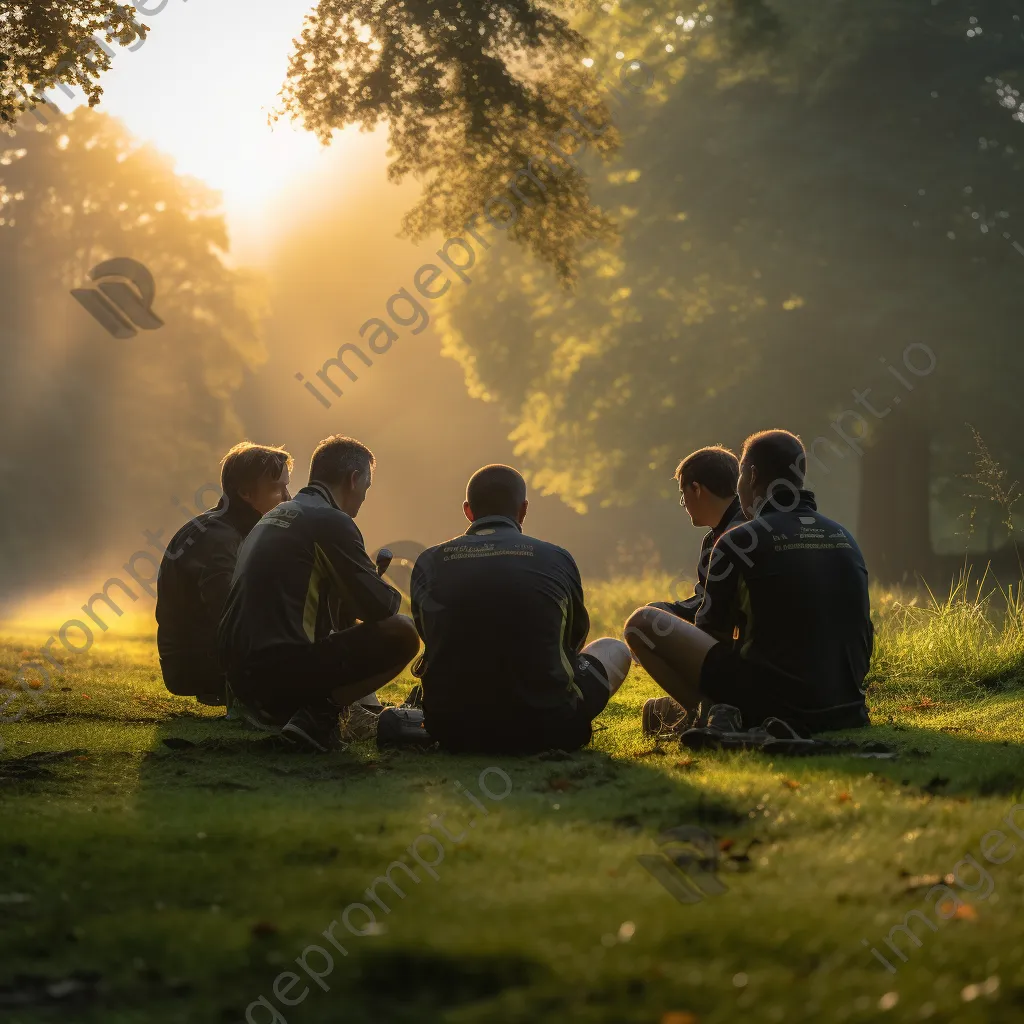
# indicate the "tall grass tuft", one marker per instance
pixel 973 638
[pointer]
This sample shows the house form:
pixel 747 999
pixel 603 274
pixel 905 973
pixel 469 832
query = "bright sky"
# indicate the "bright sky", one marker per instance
pixel 200 88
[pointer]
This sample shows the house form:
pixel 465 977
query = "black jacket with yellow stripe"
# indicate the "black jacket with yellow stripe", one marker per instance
pixel 302 572
pixel 789 589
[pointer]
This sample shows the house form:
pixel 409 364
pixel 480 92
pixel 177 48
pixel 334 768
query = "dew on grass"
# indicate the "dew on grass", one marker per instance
pixel 889 1000
pixel 626 931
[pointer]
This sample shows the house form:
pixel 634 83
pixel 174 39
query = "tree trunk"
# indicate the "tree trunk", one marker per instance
pixel 894 523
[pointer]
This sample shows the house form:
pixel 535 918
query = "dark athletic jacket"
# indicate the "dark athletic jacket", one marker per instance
pixel 192 586
pixel 687 609
pixel 302 571
pixel 795 586
pixel 502 617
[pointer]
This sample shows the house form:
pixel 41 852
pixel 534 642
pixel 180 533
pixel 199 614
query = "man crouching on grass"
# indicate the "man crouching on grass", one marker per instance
pixel 784 628
pixel 503 623
pixel 288 638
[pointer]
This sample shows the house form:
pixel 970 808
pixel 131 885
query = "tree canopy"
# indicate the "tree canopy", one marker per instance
pixel 790 216
pixel 46 43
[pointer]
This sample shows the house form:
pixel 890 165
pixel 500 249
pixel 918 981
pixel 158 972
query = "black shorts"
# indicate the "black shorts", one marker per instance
pixel 761 691
pixel 484 727
pixel 284 678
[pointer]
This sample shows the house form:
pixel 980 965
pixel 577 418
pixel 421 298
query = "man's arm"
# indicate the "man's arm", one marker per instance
pixel 418 591
pixel 716 615
pixel 579 625
pixel 343 557
pixel 216 559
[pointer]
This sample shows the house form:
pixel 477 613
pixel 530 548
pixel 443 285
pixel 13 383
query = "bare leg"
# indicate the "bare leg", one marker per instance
pixel 671 650
pixel 614 657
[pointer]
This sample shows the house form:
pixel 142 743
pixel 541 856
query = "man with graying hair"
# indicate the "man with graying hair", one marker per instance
pixel 503 623
pixel 289 638
pixel 784 628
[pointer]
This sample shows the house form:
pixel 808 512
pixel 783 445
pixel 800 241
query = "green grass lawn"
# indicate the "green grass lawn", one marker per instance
pixel 148 880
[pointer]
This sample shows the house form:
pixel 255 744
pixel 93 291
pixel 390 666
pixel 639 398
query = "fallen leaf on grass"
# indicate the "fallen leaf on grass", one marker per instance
pixel 843 797
pixel 965 912
pixel 679 1017
pixel 922 705
pixel 726 844
pixel 791 783
pixel 687 762
pixel 655 752
pixel 560 785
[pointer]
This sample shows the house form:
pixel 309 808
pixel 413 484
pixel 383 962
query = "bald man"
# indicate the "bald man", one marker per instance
pixel 503 624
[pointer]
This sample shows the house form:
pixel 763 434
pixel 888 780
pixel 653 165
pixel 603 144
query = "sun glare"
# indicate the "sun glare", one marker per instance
pixel 201 89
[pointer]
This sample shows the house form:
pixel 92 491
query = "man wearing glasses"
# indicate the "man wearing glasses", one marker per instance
pixel 707 490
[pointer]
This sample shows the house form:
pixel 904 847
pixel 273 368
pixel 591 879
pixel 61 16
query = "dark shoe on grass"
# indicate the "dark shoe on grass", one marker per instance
pixel 662 714
pixel 725 718
pixel 402 727
pixel 256 717
pixel 724 728
pixel 359 723
pixel 316 729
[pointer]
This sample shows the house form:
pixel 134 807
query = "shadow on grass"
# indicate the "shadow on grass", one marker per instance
pixel 216 817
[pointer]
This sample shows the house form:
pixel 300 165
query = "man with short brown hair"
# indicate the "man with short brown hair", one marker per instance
pixel 196 569
pixel 707 490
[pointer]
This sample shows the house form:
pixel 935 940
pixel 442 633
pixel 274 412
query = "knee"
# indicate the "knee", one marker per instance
pixel 610 646
pixel 636 630
pixel 401 633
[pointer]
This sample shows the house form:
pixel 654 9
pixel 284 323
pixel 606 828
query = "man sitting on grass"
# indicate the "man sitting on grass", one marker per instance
pixel 503 624
pixel 196 569
pixel 784 628
pixel 303 578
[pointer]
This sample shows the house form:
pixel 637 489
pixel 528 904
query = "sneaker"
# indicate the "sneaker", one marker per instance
pixel 401 727
pixel 725 718
pixel 663 714
pixel 255 716
pixel 212 700
pixel 359 723
pixel 314 728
